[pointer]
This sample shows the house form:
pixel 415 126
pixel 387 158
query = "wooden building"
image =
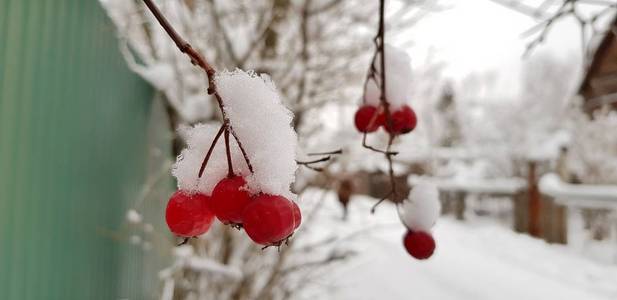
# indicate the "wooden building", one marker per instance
pixel 599 86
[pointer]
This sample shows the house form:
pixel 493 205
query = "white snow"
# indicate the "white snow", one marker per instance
pixel 583 195
pixel 398 79
pixel 133 216
pixel 263 125
pixel 593 151
pixel 473 260
pixel 186 169
pixel 196 107
pixel 422 208
pixel 549 147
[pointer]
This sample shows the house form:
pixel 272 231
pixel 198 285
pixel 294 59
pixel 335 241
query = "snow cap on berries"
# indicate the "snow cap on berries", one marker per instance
pixel 263 125
pixel 186 169
pixel 398 78
pixel 421 210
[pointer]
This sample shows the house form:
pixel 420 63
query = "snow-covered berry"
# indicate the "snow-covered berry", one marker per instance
pixel 404 120
pixel 188 215
pixel 419 244
pixel 422 208
pixel 368 119
pixel 229 199
pixel 269 219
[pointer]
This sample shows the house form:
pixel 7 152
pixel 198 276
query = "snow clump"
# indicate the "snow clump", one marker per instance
pixel 421 210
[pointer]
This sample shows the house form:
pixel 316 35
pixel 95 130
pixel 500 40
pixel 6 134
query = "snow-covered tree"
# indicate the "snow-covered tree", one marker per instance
pixel 593 150
pixel 528 125
pixel 316 52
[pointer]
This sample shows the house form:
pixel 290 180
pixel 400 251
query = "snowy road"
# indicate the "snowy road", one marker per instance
pixel 471 262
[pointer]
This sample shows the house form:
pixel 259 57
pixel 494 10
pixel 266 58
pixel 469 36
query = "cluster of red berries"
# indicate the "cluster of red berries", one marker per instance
pixel 267 219
pixel 419 244
pixel 369 118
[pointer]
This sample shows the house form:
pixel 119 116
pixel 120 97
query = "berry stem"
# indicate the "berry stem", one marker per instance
pixel 390 167
pixel 230 168
pixel 380 41
pixel 207 158
pixel 246 158
pixel 391 175
pixel 381 49
pixel 367 146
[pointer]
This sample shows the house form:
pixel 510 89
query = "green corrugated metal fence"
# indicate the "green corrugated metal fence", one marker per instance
pixel 73 124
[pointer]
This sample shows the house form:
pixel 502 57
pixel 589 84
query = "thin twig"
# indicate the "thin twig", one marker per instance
pixel 230 168
pixel 309 164
pixel 327 158
pixel 338 151
pixel 207 158
pixel 246 158
pixel 367 146
pixel 183 45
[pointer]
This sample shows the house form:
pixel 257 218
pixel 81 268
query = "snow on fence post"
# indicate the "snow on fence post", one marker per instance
pixel 594 201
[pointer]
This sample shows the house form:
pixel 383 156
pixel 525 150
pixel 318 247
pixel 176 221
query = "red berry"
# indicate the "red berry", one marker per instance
pixel 365 115
pixel 269 219
pixel 404 120
pixel 188 215
pixel 229 199
pixel 419 244
pixel 297 215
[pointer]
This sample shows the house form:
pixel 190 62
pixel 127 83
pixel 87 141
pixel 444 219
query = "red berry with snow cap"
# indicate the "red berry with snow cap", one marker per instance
pixel 404 120
pixel 229 199
pixel 269 219
pixel 419 244
pixel 365 115
pixel 188 215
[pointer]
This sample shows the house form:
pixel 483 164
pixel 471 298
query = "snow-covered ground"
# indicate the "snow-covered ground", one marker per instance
pixel 476 260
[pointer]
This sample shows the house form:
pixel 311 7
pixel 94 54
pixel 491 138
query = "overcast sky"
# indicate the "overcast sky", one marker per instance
pixel 478 35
